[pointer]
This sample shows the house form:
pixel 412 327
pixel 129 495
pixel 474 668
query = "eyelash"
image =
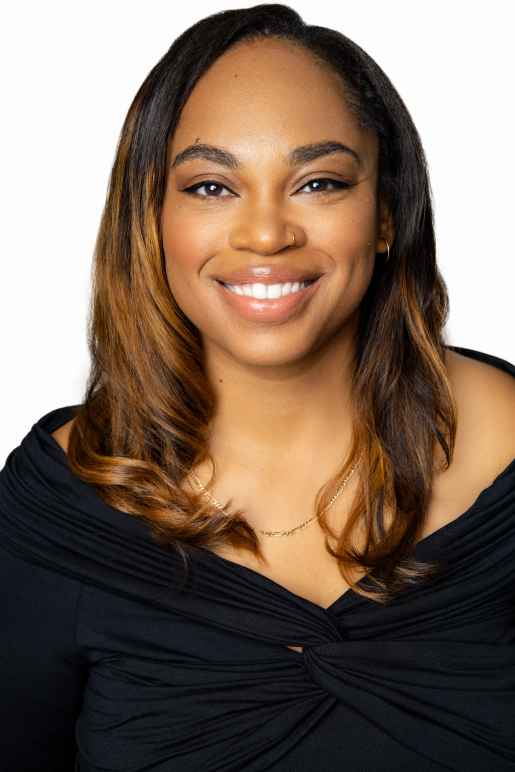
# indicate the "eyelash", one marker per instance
pixel 339 183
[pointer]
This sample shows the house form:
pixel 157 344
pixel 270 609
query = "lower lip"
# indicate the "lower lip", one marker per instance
pixel 276 310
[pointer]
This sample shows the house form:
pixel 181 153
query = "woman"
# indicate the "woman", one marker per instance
pixel 278 532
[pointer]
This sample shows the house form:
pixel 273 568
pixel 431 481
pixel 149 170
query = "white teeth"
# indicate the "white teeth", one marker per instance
pixel 267 291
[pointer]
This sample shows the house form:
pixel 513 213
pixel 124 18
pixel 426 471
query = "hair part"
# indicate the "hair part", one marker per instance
pixel 148 404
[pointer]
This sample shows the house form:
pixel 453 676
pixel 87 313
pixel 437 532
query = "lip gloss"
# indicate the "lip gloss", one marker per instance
pixel 265 310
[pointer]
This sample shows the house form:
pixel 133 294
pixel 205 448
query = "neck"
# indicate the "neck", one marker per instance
pixel 272 420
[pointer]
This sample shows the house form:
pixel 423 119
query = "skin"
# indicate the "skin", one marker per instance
pixel 282 389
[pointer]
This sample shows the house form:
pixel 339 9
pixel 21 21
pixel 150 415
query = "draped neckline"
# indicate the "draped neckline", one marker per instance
pixel 423 548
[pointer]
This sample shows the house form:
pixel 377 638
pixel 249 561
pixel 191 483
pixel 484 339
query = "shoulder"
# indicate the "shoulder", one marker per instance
pixel 485 396
pixel 489 389
pixel 486 372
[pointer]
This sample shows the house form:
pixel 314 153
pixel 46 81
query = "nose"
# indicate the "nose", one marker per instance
pixel 266 238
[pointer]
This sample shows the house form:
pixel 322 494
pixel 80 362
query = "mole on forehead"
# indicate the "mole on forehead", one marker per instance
pixel 296 157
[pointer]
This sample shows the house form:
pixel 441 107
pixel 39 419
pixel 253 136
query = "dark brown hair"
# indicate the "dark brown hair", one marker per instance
pixel 144 423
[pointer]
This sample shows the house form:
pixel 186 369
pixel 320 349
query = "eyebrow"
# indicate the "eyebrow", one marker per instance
pixel 298 156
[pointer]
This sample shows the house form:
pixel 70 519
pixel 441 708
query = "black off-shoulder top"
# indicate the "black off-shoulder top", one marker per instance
pixel 110 660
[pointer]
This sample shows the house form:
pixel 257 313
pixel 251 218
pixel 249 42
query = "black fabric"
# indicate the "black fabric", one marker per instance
pixel 109 661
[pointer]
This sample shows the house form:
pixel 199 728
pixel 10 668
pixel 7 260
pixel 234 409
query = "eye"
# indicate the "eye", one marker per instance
pixel 205 183
pixel 338 183
pixel 192 190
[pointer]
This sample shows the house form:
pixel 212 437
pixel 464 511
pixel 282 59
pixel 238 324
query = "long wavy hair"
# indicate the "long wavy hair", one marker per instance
pixel 145 419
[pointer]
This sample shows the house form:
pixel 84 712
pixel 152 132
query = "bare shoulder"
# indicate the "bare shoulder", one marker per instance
pixel 62 434
pixel 485 437
pixel 485 398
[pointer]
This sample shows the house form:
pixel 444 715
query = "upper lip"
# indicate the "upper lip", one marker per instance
pixel 267 274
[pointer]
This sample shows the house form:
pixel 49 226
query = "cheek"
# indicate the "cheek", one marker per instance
pixel 183 248
pixel 351 241
pixel 361 217
pixel 186 250
pixel 348 230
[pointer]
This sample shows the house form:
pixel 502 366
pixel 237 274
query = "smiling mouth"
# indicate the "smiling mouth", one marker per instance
pixel 269 310
pixel 232 288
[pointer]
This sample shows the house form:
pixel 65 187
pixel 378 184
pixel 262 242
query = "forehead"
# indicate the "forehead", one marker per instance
pixel 263 98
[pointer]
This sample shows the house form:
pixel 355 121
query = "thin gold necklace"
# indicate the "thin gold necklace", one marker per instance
pixel 298 527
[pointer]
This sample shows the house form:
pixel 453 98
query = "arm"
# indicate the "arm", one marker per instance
pixel 42 674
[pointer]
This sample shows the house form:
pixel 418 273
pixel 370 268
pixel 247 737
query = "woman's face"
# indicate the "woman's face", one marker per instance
pixel 260 101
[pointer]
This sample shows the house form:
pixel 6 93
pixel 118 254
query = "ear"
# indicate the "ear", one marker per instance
pixel 386 229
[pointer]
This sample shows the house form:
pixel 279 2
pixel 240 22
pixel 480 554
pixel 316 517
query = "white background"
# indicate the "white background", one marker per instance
pixel 69 71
